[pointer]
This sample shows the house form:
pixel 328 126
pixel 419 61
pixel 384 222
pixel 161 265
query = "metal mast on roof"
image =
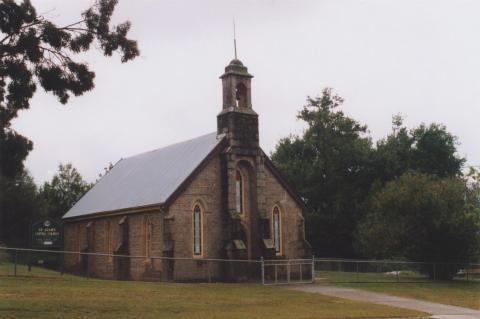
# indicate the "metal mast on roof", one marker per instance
pixel 234 38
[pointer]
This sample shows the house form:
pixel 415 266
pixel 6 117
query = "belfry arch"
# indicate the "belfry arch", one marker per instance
pixel 241 95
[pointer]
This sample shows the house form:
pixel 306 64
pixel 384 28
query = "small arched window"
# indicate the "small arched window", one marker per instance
pixel 197 230
pixel 148 237
pixel 239 191
pixel 277 235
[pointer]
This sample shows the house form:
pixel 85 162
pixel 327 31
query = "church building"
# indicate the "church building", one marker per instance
pixel 217 196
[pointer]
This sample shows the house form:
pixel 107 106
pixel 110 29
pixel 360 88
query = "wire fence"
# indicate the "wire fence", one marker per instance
pixel 371 271
pixel 19 262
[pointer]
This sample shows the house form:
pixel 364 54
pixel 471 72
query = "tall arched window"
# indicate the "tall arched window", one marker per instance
pixel 239 191
pixel 148 237
pixel 277 235
pixel 197 230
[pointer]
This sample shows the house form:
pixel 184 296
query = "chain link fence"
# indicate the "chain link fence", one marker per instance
pixel 371 271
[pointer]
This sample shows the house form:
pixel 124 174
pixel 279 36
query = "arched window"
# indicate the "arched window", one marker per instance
pixel 197 230
pixel 148 237
pixel 277 235
pixel 239 191
pixel 241 95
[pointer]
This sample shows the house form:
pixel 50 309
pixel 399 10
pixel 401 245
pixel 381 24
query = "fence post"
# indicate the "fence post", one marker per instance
pixel 397 272
pixel 16 261
pixel 62 262
pixel 288 271
pixel 434 271
pixel 301 271
pixel 208 271
pixel 356 268
pixel 276 273
pixel 263 270
pixel 313 269
pixel 88 266
pixel 29 261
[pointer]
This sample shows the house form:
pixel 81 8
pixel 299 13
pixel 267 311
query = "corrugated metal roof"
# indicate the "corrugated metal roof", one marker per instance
pixel 145 179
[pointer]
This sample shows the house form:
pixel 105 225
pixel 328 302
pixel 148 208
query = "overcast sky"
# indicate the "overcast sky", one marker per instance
pixel 417 58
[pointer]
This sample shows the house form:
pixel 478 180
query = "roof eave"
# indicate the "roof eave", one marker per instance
pixel 177 192
pixel 284 182
pixel 123 211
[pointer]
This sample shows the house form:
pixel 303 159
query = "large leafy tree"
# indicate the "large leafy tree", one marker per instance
pixel 329 164
pixel 335 168
pixel 428 149
pixel 64 190
pixel 423 218
pixel 35 52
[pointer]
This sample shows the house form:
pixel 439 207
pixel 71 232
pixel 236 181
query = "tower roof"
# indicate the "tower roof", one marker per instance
pixel 236 67
pixel 236 62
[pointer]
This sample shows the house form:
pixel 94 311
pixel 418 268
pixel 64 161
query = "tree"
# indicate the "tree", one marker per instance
pixel 65 189
pixel 330 167
pixel 106 169
pixel 20 204
pixel 423 218
pixel 34 51
pixel 435 151
pixel 425 149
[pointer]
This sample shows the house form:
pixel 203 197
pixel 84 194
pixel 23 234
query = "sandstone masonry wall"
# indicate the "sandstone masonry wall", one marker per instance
pixel 205 189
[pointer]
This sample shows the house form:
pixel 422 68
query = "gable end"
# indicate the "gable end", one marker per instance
pixel 283 182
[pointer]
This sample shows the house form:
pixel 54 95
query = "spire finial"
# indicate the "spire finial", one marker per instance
pixel 234 38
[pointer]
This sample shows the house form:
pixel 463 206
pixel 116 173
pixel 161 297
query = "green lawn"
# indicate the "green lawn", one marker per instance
pixel 348 277
pixel 81 298
pixel 458 292
pixel 8 269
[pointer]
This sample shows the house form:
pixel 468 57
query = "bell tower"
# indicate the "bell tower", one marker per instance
pixel 242 163
pixel 237 119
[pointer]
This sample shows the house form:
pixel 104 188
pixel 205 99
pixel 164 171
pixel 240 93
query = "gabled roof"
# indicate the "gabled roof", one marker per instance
pixel 146 179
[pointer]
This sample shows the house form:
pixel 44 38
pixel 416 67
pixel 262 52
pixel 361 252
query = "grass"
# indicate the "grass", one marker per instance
pixel 8 269
pixel 458 292
pixel 80 298
pixel 370 277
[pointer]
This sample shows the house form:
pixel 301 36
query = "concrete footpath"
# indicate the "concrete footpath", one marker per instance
pixel 439 311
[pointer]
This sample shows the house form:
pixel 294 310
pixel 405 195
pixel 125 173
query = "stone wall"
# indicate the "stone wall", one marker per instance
pixel 292 220
pixel 145 268
pixel 106 236
pixel 205 189
pixel 75 239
